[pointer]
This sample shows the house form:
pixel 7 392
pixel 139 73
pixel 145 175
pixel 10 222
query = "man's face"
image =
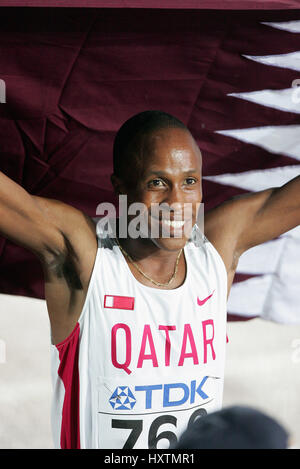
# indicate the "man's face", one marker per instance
pixel 170 186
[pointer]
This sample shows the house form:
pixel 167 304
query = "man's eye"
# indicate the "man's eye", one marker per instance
pixel 190 181
pixel 155 183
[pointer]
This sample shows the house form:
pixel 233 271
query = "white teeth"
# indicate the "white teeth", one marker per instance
pixel 174 223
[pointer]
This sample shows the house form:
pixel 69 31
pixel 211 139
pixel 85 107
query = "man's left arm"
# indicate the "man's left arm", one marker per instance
pixel 265 215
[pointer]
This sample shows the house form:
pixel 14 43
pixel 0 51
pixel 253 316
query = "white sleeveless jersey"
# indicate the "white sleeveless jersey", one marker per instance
pixel 142 363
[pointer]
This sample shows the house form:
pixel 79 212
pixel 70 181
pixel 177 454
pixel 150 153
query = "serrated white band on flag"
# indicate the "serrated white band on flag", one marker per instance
pixel 290 60
pixel 289 26
pixel 257 180
pixel 283 100
pixel 278 139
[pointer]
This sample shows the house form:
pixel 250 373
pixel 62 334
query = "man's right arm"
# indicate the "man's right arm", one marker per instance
pixel 63 239
pixel 23 222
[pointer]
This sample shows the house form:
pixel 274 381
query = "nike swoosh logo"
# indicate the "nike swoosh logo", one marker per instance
pixel 201 302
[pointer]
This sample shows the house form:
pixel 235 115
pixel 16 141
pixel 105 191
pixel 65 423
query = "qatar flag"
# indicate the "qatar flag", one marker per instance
pixel 230 70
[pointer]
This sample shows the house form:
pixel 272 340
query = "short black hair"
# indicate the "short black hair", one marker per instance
pixel 128 138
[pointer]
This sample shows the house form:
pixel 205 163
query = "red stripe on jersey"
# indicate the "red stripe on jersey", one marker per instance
pixel 69 374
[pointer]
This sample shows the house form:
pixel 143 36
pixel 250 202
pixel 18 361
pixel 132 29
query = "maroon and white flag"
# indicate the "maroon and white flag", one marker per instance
pixel 229 70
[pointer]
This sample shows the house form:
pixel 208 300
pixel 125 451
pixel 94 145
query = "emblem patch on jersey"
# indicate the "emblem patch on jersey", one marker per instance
pixel 118 302
pixel 122 399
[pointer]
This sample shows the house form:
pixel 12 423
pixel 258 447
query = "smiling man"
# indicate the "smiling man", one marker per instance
pixel 159 167
pixel 138 324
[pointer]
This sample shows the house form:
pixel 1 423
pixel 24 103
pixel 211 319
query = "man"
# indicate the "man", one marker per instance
pixel 138 324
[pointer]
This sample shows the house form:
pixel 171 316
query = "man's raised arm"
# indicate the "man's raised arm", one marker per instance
pixel 23 221
pixel 247 220
pixel 64 240
pixel 267 214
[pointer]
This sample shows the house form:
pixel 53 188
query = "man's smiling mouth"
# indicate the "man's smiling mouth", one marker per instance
pixel 170 226
pixel 174 223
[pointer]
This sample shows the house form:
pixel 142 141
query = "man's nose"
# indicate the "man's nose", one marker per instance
pixel 174 201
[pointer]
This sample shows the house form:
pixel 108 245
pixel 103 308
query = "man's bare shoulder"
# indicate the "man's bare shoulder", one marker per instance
pixel 78 230
pixel 67 274
pixel 220 228
pixel 62 213
pixel 69 219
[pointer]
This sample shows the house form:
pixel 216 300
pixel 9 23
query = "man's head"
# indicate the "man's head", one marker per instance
pixel 158 163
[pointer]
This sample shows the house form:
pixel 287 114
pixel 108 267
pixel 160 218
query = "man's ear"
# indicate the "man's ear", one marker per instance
pixel 118 184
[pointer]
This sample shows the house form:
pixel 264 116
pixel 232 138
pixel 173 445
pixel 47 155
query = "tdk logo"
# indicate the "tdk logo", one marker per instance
pixel 123 398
